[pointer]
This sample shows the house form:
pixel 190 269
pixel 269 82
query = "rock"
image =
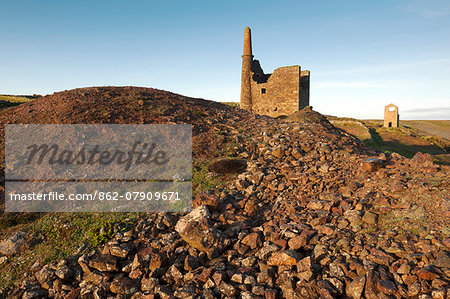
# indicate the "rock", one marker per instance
pixel 35 293
pixel 265 277
pixel 326 290
pixel 414 289
pixel 264 252
pixel 371 290
pixel 316 204
pixel 278 152
pixel 319 252
pixel 305 264
pixel 164 292
pixel 45 275
pixel 3 259
pixel 124 285
pixel 305 269
pixel 64 272
pixel 354 216
pixel 142 258
pixel 423 160
pixel 324 168
pixel 439 294
pixel 252 240
pixel 372 164
pixel 442 261
pixel 227 289
pixel 404 269
pixel 370 218
pixel 386 286
pixel 73 294
pixel 209 200
pixel 238 278
pixel 157 261
pixel 148 284
pixel 380 257
pixel 11 245
pixel 285 258
pixel 104 263
pixel 175 274
pixel 195 229
pixel 298 242
pixel 190 263
pixel 427 274
pixel 355 288
pixel 297 153
pixel 115 250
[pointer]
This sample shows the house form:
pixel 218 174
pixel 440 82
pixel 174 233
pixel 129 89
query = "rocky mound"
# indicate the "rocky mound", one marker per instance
pixel 310 217
pixel 128 105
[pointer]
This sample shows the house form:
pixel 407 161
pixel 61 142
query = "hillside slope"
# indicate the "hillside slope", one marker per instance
pixel 411 137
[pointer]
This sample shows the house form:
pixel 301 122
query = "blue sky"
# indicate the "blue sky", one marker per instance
pixel 362 55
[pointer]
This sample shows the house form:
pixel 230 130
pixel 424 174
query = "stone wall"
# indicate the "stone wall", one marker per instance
pixel 391 117
pixel 304 89
pixel 280 94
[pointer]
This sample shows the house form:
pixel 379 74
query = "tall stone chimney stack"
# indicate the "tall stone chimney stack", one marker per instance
pixel 247 59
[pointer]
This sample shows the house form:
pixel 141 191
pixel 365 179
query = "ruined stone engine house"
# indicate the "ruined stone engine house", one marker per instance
pixel 283 92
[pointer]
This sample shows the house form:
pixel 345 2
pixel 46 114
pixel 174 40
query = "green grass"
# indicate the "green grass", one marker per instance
pixel 57 235
pixel 12 100
pixel 232 104
pixel 203 180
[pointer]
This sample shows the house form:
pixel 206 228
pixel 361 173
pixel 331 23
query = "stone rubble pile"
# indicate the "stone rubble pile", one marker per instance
pixel 308 218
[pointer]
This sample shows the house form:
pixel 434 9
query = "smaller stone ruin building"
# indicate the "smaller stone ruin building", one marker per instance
pixel 283 92
pixel 391 116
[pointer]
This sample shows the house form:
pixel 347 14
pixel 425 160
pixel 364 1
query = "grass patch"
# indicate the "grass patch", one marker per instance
pixel 12 100
pixel 203 180
pixel 57 235
pixel 232 104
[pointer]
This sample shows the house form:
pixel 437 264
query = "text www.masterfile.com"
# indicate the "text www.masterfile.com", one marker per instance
pixel 96 195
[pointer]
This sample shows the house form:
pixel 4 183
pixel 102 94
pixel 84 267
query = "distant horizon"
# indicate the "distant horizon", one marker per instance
pixel 218 101
pixel 362 55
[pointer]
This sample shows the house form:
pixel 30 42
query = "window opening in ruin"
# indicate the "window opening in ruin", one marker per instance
pixel 276 108
pixel 263 90
pixel 390 124
pixel 391 108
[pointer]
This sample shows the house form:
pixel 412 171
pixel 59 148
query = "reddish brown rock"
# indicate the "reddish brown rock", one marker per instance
pixel 427 274
pixel 252 240
pixel 104 263
pixel 124 285
pixel 386 286
pixel 371 290
pixel 157 260
pixel 355 288
pixel 298 242
pixel 423 160
pixel 284 258
pixel 372 164
pixel 195 229
pixel 380 257
pixel 209 200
